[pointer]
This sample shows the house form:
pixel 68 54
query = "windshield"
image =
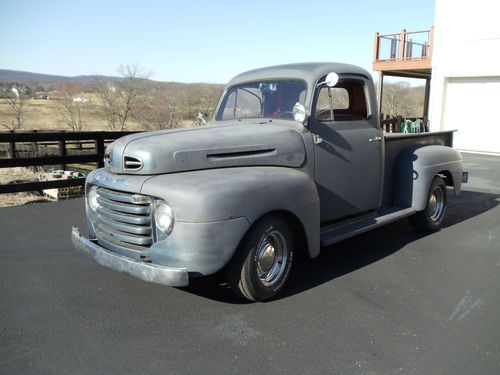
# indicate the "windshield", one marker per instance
pixel 266 99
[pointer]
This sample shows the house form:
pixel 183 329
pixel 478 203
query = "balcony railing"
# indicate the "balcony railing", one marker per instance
pixel 414 46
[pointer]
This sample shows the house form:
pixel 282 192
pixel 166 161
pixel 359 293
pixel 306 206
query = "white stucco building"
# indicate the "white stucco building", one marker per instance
pixel 465 83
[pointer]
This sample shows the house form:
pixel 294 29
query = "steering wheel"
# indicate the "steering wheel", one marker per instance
pixel 286 114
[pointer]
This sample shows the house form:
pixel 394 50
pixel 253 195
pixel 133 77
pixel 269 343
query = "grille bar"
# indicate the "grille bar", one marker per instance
pixel 126 237
pixel 119 196
pixel 132 229
pixel 121 207
pixel 123 217
pixel 116 245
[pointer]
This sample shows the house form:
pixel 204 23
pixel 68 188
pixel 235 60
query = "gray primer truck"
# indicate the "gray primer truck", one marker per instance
pixel 293 160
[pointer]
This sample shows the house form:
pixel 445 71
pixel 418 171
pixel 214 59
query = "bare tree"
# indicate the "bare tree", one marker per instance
pixel 70 109
pixel 161 112
pixel 17 104
pixel 119 99
pixel 399 98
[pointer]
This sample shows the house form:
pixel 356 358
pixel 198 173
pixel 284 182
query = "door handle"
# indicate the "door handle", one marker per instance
pixel 375 139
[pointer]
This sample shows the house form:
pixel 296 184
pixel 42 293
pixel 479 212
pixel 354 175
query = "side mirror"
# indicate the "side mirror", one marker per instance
pixel 300 113
pixel 331 80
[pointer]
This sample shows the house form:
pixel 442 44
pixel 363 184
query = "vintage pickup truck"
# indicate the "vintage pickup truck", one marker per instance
pixel 293 160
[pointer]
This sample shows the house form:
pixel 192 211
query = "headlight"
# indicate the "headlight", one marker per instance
pixel 164 217
pixel 92 198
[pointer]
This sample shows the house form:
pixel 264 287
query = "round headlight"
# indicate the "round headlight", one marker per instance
pixel 299 112
pixel 92 198
pixel 164 217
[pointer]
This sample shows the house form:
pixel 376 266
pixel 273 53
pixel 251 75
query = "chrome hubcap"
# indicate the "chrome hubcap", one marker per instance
pixel 436 204
pixel 271 258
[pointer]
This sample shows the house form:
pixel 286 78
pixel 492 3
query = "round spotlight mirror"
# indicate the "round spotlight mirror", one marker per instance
pixel 332 79
pixel 300 113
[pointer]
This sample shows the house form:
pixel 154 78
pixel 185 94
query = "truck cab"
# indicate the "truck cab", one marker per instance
pixel 293 159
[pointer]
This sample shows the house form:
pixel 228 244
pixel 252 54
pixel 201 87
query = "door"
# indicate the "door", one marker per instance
pixel 348 150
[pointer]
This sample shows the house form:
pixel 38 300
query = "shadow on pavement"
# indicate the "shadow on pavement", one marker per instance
pixel 354 253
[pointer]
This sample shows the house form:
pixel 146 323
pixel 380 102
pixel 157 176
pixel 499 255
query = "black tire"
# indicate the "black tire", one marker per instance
pixel 263 260
pixel 432 216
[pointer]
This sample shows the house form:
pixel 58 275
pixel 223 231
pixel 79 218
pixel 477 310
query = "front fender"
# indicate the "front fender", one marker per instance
pixel 245 192
pixel 415 169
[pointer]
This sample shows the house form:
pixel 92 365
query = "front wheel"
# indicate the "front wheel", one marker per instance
pixel 432 216
pixel 262 263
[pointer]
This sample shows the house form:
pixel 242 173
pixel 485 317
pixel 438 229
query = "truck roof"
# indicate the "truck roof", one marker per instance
pixel 309 72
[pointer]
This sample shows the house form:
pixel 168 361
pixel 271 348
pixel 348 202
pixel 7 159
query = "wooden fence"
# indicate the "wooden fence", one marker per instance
pixel 35 149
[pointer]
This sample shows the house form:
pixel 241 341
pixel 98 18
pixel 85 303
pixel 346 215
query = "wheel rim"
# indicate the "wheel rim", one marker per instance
pixel 271 258
pixel 436 204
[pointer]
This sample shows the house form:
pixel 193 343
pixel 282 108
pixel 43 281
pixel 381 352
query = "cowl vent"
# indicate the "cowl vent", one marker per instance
pixel 131 163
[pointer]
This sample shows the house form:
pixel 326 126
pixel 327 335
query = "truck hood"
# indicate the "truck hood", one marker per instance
pixel 241 144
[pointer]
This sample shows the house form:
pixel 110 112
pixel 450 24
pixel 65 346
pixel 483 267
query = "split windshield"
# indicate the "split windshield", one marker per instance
pixel 266 99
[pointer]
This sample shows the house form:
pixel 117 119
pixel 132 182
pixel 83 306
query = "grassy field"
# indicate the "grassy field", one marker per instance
pixel 44 114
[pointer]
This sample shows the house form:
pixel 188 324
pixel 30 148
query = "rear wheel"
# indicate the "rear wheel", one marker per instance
pixel 432 216
pixel 262 264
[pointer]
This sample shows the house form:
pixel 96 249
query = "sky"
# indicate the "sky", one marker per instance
pixel 196 41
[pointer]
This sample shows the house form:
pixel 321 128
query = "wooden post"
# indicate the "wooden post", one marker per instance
pixel 99 150
pixel 34 146
pixel 427 96
pixel 380 90
pixel 376 49
pixel 431 43
pixel 12 148
pixel 398 124
pixel 62 151
pixel 402 44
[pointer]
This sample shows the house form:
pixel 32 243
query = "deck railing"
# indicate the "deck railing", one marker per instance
pixel 406 45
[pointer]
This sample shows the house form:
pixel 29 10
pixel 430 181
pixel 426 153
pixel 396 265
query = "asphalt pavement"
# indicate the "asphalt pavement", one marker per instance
pixel 391 301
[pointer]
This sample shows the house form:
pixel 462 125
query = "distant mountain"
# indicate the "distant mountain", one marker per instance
pixel 20 76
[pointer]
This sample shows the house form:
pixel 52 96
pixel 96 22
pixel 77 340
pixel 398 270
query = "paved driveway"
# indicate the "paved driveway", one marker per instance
pixel 390 301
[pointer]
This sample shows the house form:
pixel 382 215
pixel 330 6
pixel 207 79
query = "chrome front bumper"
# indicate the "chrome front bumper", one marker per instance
pixel 144 271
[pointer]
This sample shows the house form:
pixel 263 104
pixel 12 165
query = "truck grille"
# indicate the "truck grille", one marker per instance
pixel 124 219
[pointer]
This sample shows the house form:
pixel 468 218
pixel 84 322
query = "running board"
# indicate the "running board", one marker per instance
pixel 340 231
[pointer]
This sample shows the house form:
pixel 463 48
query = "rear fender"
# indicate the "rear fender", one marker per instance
pixel 415 169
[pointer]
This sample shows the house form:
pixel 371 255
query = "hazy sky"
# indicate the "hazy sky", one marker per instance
pixel 196 41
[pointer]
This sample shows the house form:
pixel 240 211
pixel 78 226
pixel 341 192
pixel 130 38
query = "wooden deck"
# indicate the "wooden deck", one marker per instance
pixel 405 54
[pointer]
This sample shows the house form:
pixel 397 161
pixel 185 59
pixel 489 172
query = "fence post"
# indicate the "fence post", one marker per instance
pixel 34 150
pixel 402 45
pixel 62 151
pixel 375 52
pixel 99 150
pixel 12 148
pixel 398 123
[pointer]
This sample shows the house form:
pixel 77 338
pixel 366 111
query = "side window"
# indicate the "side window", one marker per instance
pixel 243 103
pixel 344 102
pixel 339 100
